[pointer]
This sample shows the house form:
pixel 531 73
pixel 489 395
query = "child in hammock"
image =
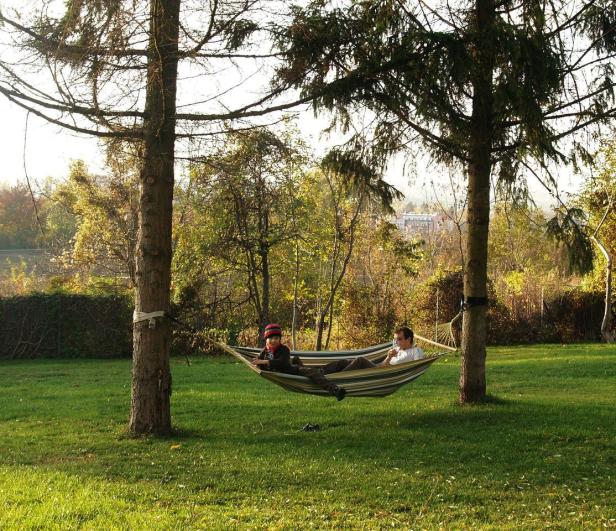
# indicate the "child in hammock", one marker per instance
pixel 277 357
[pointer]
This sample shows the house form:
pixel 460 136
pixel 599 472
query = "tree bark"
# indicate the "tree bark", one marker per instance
pixel 330 325
pixel 320 327
pixel 333 291
pixel 265 290
pixel 606 324
pixel 472 370
pixel 151 381
pixel 295 296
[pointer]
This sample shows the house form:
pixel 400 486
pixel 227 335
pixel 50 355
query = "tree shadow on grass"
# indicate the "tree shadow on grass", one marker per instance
pixel 176 434
pixel 510 435
pixel 255 446
pixel 249 430
pixel 492 399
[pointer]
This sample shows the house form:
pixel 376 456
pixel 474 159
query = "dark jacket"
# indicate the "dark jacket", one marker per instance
pixel 279 361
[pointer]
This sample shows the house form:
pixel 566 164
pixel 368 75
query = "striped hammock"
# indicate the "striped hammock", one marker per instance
pixel 378 381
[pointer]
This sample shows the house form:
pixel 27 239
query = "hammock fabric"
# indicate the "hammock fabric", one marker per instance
pixel 377 381
pixel 315 358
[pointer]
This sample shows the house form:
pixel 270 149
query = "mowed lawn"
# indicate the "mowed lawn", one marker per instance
pixel 541 453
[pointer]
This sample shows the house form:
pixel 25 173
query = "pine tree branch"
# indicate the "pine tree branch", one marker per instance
pixel 77 109
pixel 245 112
pixel 571 20
pixel 135 133
pixel 549 114
pixel 90 51
pixel 72 49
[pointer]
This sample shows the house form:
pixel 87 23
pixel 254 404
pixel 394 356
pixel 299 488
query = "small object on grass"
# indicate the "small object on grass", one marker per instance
pixel 311 427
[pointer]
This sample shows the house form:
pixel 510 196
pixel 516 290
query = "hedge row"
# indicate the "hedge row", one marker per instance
pixel 60 325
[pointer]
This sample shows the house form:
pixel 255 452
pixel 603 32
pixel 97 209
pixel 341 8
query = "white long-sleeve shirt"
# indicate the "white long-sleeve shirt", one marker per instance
pixel 410 354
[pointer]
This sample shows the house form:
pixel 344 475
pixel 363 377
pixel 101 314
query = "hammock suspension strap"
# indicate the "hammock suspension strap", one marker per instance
pixel 139 317
pixel 468 302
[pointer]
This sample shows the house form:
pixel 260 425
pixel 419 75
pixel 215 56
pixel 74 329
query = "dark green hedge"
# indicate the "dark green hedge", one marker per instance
pixel 60 325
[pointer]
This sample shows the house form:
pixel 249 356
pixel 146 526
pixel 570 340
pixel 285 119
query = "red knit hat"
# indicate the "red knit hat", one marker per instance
pixel 273 329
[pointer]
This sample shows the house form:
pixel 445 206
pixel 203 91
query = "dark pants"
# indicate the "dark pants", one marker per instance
pixel 315 375
pixel 348 365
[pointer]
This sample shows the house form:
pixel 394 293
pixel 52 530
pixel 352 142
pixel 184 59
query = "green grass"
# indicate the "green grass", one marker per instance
pixel 541 454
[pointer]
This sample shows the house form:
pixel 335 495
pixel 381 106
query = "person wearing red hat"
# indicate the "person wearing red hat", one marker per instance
pixel 277 357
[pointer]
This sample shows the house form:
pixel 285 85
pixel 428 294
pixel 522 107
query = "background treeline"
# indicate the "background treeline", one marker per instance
pixel 263 232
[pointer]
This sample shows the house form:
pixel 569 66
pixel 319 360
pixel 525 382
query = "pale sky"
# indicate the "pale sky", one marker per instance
pixel 49 149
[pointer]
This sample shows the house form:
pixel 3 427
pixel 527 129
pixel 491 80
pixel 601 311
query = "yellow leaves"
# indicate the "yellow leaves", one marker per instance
pixel 176 446
pixel 515 281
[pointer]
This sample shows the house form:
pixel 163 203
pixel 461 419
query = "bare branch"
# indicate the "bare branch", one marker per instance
pixel 135 133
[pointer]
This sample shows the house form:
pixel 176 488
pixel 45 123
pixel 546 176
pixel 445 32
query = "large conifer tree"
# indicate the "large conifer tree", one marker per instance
pixel 488 86
pixel 109 68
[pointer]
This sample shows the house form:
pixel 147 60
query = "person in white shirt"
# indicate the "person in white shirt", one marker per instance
pixel 402 352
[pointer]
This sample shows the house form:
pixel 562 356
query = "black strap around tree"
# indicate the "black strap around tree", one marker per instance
pixel 473 301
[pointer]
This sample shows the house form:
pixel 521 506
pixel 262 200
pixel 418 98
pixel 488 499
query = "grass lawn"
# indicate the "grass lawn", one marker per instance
pixel 541 454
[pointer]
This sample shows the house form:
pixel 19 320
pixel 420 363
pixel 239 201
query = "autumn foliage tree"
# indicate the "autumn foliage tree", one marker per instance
pixel 18 219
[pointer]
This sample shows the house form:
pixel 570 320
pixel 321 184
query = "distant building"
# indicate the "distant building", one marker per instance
pixel 420 224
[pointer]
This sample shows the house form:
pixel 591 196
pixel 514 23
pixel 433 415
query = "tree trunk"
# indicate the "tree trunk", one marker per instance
pixel 318 323
pixel 336 281
pixel 606 324
pixel 330 324
pixel 320 327
pixel 151 382
pixel 332 294
pixel 295 293
pixel 265 297
pixel 472 370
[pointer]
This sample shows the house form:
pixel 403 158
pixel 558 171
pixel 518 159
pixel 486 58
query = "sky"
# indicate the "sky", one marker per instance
pixel 49 149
